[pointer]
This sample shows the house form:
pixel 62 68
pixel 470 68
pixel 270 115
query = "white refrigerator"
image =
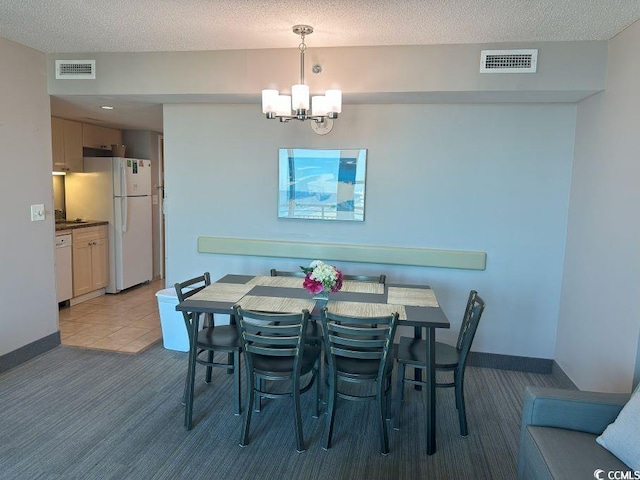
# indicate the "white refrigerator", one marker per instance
pixel 117 190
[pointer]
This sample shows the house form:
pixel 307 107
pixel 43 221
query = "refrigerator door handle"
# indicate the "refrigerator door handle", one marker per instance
pixel 124 214
pixel 123 193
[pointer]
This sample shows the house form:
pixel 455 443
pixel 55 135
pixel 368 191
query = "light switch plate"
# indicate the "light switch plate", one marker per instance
pixel 37 213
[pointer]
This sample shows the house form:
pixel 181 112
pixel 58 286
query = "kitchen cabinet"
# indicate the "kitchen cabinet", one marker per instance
pixel 66 145
pixel 90 259
pixel 96 136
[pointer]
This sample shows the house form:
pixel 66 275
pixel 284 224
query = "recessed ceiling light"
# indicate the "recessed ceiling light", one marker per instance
pixel 106 107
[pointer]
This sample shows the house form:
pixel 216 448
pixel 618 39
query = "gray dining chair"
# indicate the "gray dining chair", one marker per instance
pixel 412 353
pixel 359 353
pixel 209 340
pixel 276 353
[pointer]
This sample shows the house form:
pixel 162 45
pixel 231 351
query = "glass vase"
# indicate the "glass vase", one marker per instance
pixel 323 295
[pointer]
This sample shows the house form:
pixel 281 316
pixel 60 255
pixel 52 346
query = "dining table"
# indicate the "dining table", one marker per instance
pixel 416 305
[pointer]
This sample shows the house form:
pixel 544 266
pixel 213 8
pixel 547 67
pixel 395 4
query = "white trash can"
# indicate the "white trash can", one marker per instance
pixel 174 331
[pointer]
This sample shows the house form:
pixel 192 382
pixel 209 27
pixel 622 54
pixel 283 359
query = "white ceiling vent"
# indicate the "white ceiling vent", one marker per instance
pixel 75 69
pixel 508 61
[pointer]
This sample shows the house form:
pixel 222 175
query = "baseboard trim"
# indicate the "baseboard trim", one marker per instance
pixel 27 352
pixel 510 362
pixel 87 296
pixel 562 377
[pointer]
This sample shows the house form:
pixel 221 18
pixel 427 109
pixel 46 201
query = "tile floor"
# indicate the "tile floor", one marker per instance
pixel 127 322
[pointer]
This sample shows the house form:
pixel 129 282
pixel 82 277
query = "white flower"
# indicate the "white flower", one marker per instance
pixel 328 276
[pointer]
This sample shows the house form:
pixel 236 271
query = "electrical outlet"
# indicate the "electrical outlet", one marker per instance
pixel 37 213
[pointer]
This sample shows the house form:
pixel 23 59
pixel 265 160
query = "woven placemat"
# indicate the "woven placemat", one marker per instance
pixel 357 309
pixel 222 292
pixel 275 304
pixel 284 282
pixel 352 286
pixel 419 297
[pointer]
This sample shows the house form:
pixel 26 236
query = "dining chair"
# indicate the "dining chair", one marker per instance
pixel 412 353
pixel 358 278
pixel 314 334
pixel 209 340
pixel 276 353
pixel 282 273
pixel 366 278
pixel 359 353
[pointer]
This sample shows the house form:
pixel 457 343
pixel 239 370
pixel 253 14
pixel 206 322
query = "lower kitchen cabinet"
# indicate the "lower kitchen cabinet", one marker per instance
pixel 90 259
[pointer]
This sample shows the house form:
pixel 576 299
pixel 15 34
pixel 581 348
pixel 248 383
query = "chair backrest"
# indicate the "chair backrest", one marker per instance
pixel 364 338
pixel 185 289
pixel 359 278
pixel 366 278
pixel 188 288
pixel 282 273
pixel 272 334
pixel 470 321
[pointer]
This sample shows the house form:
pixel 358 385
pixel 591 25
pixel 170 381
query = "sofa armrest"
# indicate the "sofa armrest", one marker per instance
pixel 571 409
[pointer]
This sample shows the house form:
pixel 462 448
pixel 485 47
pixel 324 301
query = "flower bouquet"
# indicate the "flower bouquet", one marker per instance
pixel 321 278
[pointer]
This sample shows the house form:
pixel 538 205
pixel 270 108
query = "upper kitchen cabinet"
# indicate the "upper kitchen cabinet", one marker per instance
pixel 95 136
pixel 66 145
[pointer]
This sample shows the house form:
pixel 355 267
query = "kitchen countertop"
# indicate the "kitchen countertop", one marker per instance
pixel 72 224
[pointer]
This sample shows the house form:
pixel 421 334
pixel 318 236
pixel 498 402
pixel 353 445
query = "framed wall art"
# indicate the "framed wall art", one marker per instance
pixel 322 184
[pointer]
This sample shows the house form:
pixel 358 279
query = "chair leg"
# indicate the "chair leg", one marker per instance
pixel 258 404
pixel 236 383
pixel 207 378
pixel 384 438
pixel 189 389
pixel 298 415
pixel 244 437
pixel 322 377
pixel 387 398
pixel 316 378
pixel 230 361
pixel 331 408
pixel 455 385
pixel 462 414
pixel 186 388
pixel 399 395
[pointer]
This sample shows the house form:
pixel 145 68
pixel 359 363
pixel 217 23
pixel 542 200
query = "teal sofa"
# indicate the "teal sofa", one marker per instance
pixel 559 430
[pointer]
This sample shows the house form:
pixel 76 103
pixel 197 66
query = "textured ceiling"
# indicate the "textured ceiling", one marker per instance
pixel 57 26
pixel 68 26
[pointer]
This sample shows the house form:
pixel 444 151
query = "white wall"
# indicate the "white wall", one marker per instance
pixel 567 71
pixel 28 308
pixel 599 320
pixel 493 178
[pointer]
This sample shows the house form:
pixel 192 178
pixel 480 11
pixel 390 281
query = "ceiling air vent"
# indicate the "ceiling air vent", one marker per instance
pixel 508 61
pixel 75 69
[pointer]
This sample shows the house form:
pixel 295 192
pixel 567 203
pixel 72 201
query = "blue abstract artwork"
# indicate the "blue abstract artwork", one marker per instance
pixel 322 184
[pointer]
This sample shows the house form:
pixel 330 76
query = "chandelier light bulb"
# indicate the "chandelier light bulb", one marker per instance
pixel 300 97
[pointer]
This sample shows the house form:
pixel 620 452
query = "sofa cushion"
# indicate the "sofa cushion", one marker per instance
pixel 622 437
pixel 556 453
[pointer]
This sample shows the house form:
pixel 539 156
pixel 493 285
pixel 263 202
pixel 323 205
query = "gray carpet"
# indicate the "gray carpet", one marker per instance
pixel 83 414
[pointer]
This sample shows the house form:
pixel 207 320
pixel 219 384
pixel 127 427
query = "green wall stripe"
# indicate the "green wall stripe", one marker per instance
pixel 423 257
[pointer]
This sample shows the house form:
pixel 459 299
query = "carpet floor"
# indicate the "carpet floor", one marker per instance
pixel 86 414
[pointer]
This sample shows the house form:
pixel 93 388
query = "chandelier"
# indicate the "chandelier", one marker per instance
pixel 296 105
